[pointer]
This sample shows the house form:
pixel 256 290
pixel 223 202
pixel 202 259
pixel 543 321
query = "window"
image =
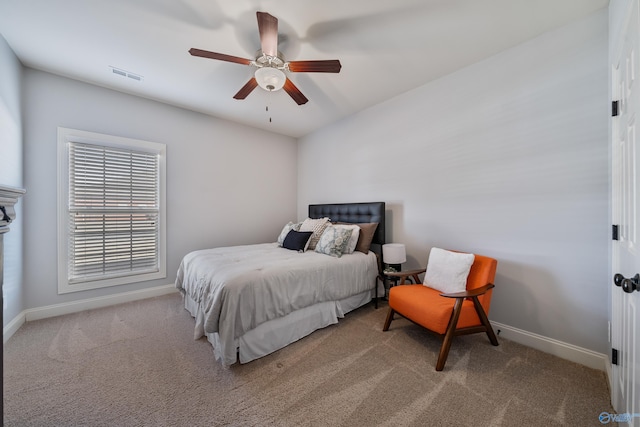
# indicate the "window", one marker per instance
pixel 110 210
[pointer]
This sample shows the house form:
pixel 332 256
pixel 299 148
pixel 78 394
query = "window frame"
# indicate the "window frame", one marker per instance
pixel 67 136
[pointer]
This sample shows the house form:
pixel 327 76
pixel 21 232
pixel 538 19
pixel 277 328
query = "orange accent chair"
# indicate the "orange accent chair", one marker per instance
pixel 447 314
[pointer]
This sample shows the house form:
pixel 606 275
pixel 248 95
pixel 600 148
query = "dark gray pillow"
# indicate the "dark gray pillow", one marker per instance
pixel 297 240
pixel 367 231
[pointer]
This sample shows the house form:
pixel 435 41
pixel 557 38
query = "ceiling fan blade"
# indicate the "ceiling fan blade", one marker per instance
pixel 328 66
pixel 219 56
pixel 246 89
pixel 294 92
pixel 268 27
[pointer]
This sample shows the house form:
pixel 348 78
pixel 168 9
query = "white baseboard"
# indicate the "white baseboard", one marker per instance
pixel 13 326
pixel 561 349
pixel 81 305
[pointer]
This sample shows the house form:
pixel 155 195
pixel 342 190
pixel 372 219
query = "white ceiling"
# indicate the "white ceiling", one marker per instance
pixel 386 47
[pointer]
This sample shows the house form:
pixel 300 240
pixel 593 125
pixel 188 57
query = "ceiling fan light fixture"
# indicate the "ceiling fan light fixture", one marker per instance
pixel 270 79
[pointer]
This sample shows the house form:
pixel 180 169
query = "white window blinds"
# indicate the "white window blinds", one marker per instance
pixel 113 212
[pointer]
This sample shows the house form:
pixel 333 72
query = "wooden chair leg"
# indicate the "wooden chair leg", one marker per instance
pixel 448 337
pixel 485 321
pixel 389 319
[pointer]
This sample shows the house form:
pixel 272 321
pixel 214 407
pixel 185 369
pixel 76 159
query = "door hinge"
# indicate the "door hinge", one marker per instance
pixel 614 356
pixel 614 108
pixel 615 232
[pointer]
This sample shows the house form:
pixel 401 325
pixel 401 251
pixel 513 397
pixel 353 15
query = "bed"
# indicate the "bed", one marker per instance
pixel 252 300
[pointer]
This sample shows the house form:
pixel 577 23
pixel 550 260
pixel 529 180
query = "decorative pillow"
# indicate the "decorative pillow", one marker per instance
pixel 333 241
pixel 297 240
pixel 286 229
pixel 448 271
pixel 367 231
pixel 317 226
pixel 355 234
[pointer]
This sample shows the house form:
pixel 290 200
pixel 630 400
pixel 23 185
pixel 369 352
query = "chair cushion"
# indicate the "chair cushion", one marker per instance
pixel 427 308
pixel 448 271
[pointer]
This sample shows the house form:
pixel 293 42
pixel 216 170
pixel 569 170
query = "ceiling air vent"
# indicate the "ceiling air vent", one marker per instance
pixel 124 73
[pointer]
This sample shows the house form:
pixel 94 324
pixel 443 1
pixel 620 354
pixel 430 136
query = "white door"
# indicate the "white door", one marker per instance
pixel 626 193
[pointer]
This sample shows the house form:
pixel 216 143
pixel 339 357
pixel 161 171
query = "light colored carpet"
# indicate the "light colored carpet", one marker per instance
pixel 137 364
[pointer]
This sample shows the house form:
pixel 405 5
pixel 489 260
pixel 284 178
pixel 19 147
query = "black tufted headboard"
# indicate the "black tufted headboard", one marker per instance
pixel 354 212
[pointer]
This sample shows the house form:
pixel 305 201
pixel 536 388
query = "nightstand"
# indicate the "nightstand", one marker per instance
pixel 388 282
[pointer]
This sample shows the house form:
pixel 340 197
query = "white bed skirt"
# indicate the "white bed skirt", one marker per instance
pixel 278 333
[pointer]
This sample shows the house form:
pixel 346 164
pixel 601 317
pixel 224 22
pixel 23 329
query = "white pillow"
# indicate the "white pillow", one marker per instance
pixel 315 225
pixel 448 271
pixel 286 229
pixel 355 234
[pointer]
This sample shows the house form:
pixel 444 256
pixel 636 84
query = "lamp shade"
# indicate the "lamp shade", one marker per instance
pixel 394 253
pixel 270 79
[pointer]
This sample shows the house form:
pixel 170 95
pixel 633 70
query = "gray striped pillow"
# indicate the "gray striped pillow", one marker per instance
pixel 317 226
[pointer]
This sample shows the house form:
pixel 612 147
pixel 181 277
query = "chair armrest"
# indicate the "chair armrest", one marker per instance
pixel 470 293
pixel 402 275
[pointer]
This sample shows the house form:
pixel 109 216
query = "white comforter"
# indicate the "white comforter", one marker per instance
pixel 238 288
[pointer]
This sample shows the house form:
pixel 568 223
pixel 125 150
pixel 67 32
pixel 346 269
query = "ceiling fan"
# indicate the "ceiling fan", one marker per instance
pixel 271 66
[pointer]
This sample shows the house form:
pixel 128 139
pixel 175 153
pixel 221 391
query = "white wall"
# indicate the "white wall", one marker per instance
pixel 506 158
pixel 227 184
pixel 11 174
